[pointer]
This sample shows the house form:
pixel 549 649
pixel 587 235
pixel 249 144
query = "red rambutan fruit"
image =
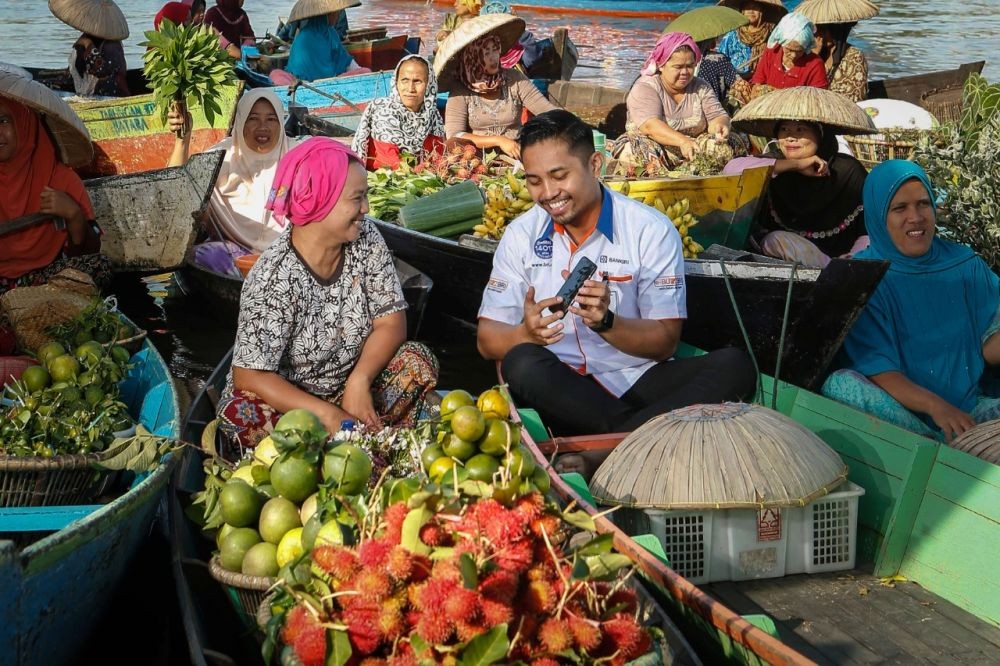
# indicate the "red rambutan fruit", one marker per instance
pixel 539 597
pixel 296 620
pixel 434 627
pixel 394 516
pixel 546 522
pixel 400 564
pixel 339 562
pixel 499 585
pixel 391 624
pixel 545 661
pixel 374 552
pixel 432 535
pixel 516 556
pixel 434 594
pixel 422 567
pixel 555 635
pixel 403 656
pixel 310 646
pixel 622 633
pixel 529 507
pixel 586 634
pixel 623 601
pixel 495 612
pixel 373 661
pixel 372 584
pixel 466 631
pixel 461 604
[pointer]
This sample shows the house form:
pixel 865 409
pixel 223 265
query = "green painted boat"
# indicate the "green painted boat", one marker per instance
pixel 924 590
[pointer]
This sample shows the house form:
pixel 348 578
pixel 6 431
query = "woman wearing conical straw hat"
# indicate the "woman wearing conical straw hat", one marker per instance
pixel 486 100
pixel 745 45
pixel 97 62
pixel 846 66
pixel 813 210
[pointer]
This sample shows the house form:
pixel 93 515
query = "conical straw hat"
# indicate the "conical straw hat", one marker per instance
pixel 505 26
pixel 304 9
pixel 983 441
pixel 100 18
pixel 773 9
pixel 730 456
pixel 14 69
pixel 70 136
pixel 707 22
pixel 807 103
pixel 837 11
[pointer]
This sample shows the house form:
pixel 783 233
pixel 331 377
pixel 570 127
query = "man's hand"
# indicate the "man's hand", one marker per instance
pixel 536 324
pixel 593 299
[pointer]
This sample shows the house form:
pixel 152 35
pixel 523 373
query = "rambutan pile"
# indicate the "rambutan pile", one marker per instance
pixel 484 568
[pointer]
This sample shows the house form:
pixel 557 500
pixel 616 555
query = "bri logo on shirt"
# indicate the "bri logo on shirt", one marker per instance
pixel 543 248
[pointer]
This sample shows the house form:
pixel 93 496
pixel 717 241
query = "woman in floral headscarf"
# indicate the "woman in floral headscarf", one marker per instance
pixel 789 60
pixel 745 45
pixel 669 110
pixel 322 323
pixel 486 102
pixel 406 121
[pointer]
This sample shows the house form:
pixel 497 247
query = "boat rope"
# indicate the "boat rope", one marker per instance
pixel 784 328
pixel 758 397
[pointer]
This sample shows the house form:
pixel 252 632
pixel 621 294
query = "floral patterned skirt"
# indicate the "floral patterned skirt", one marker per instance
pixel 635 151
pixel 97 266
pixel 398 393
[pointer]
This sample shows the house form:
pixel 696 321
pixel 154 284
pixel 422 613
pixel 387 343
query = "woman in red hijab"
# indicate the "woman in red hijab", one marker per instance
pixel 33 181
pixel 176 12
pixel 232 23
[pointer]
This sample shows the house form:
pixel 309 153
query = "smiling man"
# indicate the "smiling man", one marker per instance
pixel 605 363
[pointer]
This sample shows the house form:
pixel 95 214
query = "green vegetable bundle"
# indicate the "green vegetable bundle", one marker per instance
pixel 391 190
pixel 185 67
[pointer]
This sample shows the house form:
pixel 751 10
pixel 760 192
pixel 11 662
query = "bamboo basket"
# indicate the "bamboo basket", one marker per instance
pixel 872 151
pixel 56 481
pixel 983 441
pixel 944 103
pixel 247 593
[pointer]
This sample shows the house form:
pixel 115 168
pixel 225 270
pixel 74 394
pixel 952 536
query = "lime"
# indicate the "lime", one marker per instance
pixel 120 355
pixel 267 490
pixel 330 534
pixel 89 353
pixel 468 423
pixel 261 560
pixel 102 336
pixel 93 395
pixel 35 378
pixel 493 405
pixel 456 447
pixel 49 351
pixel 482 467
pixel 302 420
pixel 497 435
pixel 223 531
pixel 430 454
pixel 290 546
pixel 277 517
pixel 235 546
pixel 308 508
pixel 440 467
pixel 520 461
pixel 241 504
pixel 83 335
pixel 63 368
pixel 541 480
pixel 265 451
pixel 71 394
pixel 244 474
pixel 453 400
pixel 348 467
pixel 294 478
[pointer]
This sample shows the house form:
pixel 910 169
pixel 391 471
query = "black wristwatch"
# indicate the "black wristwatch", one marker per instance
pixel 606 323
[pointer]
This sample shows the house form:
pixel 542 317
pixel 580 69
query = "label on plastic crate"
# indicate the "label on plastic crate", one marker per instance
pixel 769 525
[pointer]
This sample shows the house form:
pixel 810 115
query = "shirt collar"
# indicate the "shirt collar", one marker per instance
pixel 605 221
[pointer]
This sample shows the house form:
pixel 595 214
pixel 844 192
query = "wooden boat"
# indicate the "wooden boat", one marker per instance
pixel 912 88
pixel 59 566
pixel 928 518
pixel 558 60
pixel 129 135
pixel 639 9
pixel 60 79
pixel 149 219
pixel 223 291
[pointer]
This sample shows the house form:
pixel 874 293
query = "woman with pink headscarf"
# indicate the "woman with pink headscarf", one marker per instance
pixel 322 323
pixel 672 114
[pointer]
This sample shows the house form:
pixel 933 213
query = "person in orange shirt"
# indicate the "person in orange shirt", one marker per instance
pixel 32 180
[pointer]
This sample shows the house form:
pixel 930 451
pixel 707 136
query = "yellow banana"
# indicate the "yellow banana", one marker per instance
pixel 697 248
pixel 658 204
pixel 682 230
pixel 515 184
pixel 481 229
pixel 694 221
pixel 523 195
pixel 685 204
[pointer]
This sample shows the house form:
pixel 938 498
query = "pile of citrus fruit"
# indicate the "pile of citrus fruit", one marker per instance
pixel 475 441
pixel 289 498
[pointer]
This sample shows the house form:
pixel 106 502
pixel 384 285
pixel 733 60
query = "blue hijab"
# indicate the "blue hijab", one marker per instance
pixel 927 317
pixel 317 52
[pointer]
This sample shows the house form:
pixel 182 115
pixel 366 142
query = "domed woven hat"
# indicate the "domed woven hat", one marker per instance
pixel 100 18
pixel 807 103
pixel 505 26
pixel 304 9
pixel 773 9
pixel 837 11
pixel 730 456
pixel 70 136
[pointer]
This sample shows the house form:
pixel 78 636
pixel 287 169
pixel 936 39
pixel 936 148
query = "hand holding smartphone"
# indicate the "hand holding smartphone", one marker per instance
pixel 584 270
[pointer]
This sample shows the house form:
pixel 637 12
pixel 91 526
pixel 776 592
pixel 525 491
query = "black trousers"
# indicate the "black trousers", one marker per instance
pixel 574 404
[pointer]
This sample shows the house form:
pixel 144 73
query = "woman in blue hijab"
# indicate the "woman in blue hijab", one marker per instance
pixel 318 52
pixel 921 346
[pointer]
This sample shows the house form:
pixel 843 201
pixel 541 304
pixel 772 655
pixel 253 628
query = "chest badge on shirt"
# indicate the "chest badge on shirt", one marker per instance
pixel 543 248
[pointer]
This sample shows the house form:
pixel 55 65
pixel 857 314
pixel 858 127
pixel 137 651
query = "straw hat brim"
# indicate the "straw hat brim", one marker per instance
pixel 70 136
pixel 100 18
pixel 806 103
pixel 505 26
pixel 304 9
pixel 707 22
pixel 773 9
pixel 822 12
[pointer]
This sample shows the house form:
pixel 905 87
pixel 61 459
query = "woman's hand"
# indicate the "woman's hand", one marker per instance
pixel 357 402
pixel 950 419
pixel 59 204
pixel 813 166
pixel 178 123
pixel 509 146
pixel 688 148
pixel 331 417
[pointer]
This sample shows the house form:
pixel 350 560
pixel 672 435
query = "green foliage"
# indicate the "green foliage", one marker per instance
pixel 980 105
pixel 185 64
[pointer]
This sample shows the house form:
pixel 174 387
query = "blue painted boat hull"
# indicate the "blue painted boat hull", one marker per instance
pixel 54 591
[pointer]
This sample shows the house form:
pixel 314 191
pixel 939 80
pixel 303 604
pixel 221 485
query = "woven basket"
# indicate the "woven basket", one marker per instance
pixel 56 481
pixel 247 593
pixel 944 103
pixel 983 441
pixel 873 151
pixel 32 311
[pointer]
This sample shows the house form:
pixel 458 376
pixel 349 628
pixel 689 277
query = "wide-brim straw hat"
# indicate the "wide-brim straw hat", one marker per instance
pixel 100 18
pixel 707 22
pixel 728 456
pixel 304 9
pixel 505 26
pixel 773 9
pixel 805 103
pixel 823 12
pixel 70 136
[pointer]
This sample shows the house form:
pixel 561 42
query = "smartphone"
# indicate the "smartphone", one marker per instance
pixel 583 271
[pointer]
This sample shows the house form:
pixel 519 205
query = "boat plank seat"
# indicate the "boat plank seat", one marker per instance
pixel 42 518
pixel 850 617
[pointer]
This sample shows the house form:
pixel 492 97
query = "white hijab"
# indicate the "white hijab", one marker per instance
pixel 237 206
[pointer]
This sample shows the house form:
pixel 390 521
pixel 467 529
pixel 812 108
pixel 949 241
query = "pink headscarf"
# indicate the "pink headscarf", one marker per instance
pixel 309 181
pixel 665 47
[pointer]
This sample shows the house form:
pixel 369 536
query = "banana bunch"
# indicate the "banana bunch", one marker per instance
pixel 505 199
pixel 680 214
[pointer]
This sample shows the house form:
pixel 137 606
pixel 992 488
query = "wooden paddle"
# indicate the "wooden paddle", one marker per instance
pixel 25 221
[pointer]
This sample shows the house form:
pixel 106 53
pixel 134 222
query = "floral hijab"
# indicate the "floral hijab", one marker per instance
pixel 472 67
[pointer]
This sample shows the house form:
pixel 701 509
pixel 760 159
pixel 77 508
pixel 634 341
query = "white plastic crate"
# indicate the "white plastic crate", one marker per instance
pixel 706 546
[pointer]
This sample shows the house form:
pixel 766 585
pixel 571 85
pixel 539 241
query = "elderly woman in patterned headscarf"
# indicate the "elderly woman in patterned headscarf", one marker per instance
pixel 405 122
pixel 789 60
pixel 485 106
pixel 322 323
pixel 745 45
pixel 670 109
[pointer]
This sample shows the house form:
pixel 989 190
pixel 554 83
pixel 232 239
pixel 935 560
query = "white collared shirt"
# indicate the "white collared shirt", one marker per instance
pixel 635 244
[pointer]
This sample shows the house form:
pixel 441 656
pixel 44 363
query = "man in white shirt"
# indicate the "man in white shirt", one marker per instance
pixel 604 364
